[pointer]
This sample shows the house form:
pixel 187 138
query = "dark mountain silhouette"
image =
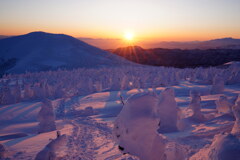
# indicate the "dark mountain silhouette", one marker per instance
pixel 178 57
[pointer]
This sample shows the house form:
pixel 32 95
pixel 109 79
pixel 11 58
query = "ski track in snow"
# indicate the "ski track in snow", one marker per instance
pixel 92 140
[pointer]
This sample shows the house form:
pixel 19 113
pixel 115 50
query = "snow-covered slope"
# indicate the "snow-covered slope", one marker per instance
pixel 89 137
pixel 107 112
pixel 39 51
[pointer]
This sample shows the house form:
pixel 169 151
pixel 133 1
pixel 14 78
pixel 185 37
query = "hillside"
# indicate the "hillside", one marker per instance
pixel 39 51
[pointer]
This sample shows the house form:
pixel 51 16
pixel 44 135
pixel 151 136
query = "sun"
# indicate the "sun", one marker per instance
pixel 129 36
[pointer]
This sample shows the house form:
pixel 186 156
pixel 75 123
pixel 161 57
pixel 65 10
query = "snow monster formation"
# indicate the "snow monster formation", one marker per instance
pixel 49 151
pixel 168 111
pixel 218 85
pixel 3 151
pixel 135 129
pixel 236 112
pixel 223 105
pixel 223 147
pixel 196 106
pixel 46 117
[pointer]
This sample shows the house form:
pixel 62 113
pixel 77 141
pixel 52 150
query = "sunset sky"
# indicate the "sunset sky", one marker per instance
pixel 167 20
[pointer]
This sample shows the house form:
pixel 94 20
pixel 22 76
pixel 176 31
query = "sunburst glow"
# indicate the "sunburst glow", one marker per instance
pixel 129 36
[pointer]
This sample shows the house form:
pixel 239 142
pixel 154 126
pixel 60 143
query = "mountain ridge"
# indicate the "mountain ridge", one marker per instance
pixel 37 51
pixel 225 42
pixel 179 58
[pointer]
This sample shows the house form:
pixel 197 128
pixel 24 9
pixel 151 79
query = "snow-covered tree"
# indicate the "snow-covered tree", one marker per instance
pixel 236 112
pixel 196 106
pixel 46 117
pixel 223 147
pixel 168 111
pixel 135 130
pixel 68 83
pixel 60 110
pixel 223 105
pixel 6 95
pixel 218 85
pixel 49 151
pixel 3 151
pixel 16 92
pixel 28 92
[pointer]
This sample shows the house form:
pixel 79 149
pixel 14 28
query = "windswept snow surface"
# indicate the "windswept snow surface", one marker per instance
pixel 88 120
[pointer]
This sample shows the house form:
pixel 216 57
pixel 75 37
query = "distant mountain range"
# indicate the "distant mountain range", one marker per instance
pixel 223 43
pixel 178 57
pixel 226 43
pixel 2 36
pixel 39 51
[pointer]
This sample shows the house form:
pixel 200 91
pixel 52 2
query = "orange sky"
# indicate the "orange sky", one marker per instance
pixel 150 20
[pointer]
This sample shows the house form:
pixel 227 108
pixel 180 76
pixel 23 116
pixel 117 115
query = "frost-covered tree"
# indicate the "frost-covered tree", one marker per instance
pixel 28 92
pixel 3 151
pixel 16 92
pixel 236 112
pixel 6 95
pixel 168 111
pixel 196 106
pixel 223 147
pixel 223 105
pixel 98 86
pixel 135 130
pixel 218 85
pixel 60 110
pixel 49 151
pixel 78 82
pixel 46 117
